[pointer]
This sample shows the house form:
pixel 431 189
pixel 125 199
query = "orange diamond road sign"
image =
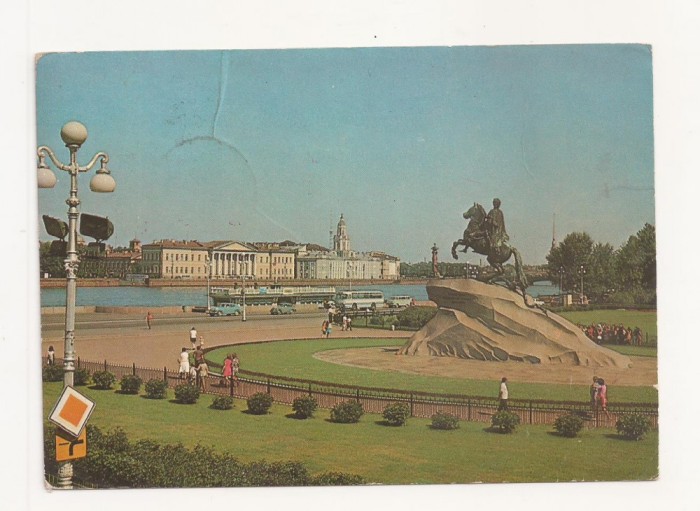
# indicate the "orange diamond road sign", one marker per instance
pixel 72 411
pixel 69 448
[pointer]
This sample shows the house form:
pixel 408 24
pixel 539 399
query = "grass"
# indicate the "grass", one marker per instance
pixel 295 359
pixel 414 453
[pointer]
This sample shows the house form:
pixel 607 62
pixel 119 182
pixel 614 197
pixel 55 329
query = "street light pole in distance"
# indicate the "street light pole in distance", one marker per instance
pixel 73 135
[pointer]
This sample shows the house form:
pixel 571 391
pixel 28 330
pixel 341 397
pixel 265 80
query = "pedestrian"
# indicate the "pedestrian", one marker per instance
pixel 594 393
pixel 350 323
pixel 51 356
pixel 193 337
pixel 201 341
pixel 603 396
pixel 235 366
pixel 184 361
pixel 329 329
pixel 345 322
pixel 324 327
pixel 202 374
pixel 149 319
pixel 198 356
pixel 228 369
pixel 192 376
pixel 503 395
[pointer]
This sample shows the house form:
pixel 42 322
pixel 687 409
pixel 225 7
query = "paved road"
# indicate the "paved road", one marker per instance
pixel 125 339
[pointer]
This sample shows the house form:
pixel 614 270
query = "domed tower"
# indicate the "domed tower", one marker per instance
pixel 341 241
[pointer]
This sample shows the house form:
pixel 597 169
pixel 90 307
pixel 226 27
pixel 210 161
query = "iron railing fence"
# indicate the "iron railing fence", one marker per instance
pixel 285 390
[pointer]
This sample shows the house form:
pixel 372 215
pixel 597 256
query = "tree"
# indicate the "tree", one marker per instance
pixel 636 261
pixel 600 271
pixel 575 250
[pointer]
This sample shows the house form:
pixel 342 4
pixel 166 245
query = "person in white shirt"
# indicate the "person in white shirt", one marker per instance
pixel 184 364
pixel 193 337
pixel 503 395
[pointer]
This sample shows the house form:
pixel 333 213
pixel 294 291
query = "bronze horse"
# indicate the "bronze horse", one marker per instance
pixel 476 237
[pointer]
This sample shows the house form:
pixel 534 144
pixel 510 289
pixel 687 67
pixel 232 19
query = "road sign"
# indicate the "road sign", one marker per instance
pixel 69 448
pixel 71 411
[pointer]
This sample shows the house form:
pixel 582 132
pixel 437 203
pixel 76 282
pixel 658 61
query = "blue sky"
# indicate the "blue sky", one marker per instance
pixel 267 145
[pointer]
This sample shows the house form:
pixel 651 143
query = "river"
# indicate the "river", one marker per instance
pixel 175 296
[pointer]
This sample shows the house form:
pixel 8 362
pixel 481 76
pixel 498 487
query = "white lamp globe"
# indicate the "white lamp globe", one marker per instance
pixel 45 177
pixel 74 133
pixel 102 182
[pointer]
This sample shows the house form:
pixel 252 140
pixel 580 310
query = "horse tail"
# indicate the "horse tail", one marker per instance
pixel 522 279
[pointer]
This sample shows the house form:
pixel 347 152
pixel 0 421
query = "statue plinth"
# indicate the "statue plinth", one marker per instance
pixel 487 322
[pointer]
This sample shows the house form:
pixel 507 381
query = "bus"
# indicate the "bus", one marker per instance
pixel 359 300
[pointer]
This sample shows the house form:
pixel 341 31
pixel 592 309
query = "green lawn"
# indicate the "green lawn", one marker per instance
pixel 295 359
pixel 411 454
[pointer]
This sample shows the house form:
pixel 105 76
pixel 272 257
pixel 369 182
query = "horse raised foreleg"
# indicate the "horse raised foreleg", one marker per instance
pixel 454 248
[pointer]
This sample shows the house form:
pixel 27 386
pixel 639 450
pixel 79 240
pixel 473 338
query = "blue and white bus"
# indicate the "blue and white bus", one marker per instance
pixel 359 300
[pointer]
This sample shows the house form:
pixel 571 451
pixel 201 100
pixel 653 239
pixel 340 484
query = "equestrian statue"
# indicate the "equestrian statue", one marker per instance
pixel 486 234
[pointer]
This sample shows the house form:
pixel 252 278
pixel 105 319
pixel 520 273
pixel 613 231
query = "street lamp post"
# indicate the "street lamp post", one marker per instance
pixel 208 268
pixel 561 280
pixel 582 272
pixel 243 318
pixel 73 135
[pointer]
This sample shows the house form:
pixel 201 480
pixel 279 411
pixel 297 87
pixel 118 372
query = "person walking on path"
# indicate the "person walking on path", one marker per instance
pixel 329 329
pixel 228 368
pixel 603 396
pixel 503 395
pixel 193 337
pixel 184 361
pixel 51 356
pixel 202 373
pixel 235 366
pixel 149 319
pixel 594 393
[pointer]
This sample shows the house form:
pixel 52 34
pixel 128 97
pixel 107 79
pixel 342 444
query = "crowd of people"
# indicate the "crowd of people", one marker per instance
pixel 602 333
pixel 195 369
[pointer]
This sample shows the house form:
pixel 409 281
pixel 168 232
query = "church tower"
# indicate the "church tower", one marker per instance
pixel 341 241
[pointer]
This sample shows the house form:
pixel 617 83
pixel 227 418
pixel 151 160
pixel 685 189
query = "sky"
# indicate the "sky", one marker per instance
pixel 270 145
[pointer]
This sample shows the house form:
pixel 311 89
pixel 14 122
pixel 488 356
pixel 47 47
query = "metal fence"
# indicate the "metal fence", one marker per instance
pixel 422 404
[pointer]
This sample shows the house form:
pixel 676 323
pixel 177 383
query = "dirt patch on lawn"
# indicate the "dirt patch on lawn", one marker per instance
pixel 642 372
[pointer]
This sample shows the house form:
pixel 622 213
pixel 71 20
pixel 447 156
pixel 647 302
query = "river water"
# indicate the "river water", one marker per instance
pixel 189 296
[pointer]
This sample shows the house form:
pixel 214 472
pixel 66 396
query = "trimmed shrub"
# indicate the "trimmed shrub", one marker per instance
pixel 347 412
pixel 336 479
pixel 504 421
pixel 103 379
pixel 260 403
pixel 396 414
pixel 568 425
pixel 130 384
pixel 442 420
pixel 222 403
pixel 52 373
pixel 156 389
pixel 633 426
pixel 81 377
pixel 416 317
pixel 304 407
pixel 186 394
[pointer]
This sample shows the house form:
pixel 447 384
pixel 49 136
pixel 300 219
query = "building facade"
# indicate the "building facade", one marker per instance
pixel 173 259
pixel 342 263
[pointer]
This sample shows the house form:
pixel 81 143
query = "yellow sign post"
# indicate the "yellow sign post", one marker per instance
pixel 69 447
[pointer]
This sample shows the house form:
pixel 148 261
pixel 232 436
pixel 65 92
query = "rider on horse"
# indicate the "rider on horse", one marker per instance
pixel 495 227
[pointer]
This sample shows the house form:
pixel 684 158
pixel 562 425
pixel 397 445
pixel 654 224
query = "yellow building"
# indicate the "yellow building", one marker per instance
pixel 172 259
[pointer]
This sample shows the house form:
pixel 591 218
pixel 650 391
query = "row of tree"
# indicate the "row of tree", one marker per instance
pixel 623 275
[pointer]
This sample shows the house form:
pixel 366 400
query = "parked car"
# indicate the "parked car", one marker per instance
pixel 283 308
pixel 399 301
pixel 226 309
